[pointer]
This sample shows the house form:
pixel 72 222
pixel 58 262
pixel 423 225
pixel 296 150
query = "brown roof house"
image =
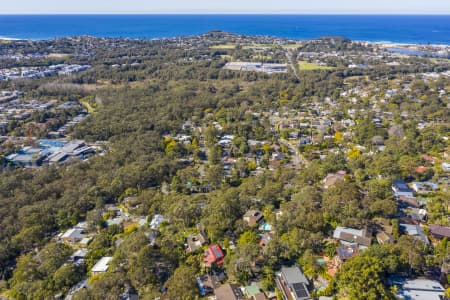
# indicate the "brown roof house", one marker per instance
pixel 196 241
pixel 229 292
pixel 332 179
pixel 439 232
pixel 253 217
pixel 384 238
pixel 405 201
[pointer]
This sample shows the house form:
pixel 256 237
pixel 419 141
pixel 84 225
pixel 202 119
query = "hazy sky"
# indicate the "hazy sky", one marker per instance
pixel 226 6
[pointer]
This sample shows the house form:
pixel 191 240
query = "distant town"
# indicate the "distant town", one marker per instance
pixel 39 72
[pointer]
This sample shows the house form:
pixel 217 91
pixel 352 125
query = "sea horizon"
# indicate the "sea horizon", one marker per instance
pixel 419 29
pixel 223 14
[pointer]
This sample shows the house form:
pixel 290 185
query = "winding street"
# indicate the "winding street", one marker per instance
pixel 298 160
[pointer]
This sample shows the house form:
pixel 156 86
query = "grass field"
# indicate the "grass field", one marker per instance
pixel 229 57
pixel 307 66
pixel 351 79
pixel 88 106
pixel 224 46
pixel 287 46
pixel 291 46
pixel 233 46
pixel 58 55
pixel 439 60
pixel 251 46
pixel 262 57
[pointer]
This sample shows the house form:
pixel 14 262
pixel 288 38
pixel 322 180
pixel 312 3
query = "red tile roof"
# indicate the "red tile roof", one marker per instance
pixel 214 255
pixel 421 169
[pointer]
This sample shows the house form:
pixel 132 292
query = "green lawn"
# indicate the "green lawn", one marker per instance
pixel 262 57
pixel 224 46
pixel 229 57
pixel 291 46
pixel 252 46
pixel 307 66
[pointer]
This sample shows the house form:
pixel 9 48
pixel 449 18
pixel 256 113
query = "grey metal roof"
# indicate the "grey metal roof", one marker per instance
pixel 293 275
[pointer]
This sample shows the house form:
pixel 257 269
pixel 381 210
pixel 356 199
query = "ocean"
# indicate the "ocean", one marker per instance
pixel 413 29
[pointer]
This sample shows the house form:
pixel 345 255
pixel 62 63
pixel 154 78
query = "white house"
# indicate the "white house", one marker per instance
pixel 101 266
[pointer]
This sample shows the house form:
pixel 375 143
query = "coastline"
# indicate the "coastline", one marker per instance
pixel 384 44
pixel 390 44
pixel 403 30
pixel 4 38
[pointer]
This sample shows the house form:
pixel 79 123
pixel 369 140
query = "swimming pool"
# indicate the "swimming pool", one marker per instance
pixel 52 143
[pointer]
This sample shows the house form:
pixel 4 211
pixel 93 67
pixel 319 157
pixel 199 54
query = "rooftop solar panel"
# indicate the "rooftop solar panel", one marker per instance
pixel 217 252
pixel 300 290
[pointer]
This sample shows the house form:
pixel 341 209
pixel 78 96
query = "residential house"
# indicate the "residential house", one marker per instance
pixel 418 214
pixel 228 292
pixel 278 156
pixel 196 241
pixel 253 217
pixel 157 221
pixel 115 221
pixel 424 187
pixel 384 238
pixel 439 232
pixel 293 284
pixel 333 179
pixel 101 266
pixel 400 188
pixel 214 255
pixel 348 236
pixel 187 125
pixel 420 289
pixel 129 294
pixel 73 235
pixel 415 231
pixel 345 252
pixel 421 169
pixel 78 257
pixel 305 140
pixel 85 241
pixel 445 167
pixel 404 201
pixel 226 140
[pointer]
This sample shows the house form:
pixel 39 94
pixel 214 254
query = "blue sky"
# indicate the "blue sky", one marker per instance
pixel 227 6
